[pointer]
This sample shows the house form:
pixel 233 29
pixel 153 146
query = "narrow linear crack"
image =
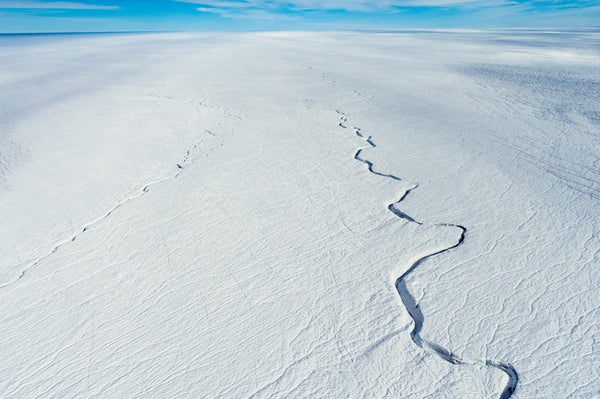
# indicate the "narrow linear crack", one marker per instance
pixel 74 236
pixel 131 196
pixel 409 301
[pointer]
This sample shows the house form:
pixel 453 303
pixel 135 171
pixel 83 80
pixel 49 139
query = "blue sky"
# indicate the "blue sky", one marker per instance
pixel 199 15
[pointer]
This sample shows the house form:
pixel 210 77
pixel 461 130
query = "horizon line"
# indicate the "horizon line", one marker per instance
pixel 366 30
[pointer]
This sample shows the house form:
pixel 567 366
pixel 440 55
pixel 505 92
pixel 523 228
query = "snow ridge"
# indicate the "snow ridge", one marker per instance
pixel 407 299
pixel 129 197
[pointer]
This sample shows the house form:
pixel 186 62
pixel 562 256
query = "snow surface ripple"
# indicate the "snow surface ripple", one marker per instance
pixel 409 301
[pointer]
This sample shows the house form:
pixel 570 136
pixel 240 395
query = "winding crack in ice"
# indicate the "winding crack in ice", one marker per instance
pixel 408 300
pixel 131 196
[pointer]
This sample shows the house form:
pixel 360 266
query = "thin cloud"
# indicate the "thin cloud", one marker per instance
pixel 232 6
pixel 241 12
pixel 57 5
pixel 346 5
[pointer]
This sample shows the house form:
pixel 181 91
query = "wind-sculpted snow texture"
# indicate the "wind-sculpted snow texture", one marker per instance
pixel 408 300
pixel 186 215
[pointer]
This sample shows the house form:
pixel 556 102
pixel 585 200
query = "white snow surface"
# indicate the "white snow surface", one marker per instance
pixel 183 215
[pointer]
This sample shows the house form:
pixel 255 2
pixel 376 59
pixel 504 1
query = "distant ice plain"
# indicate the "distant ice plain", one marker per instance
pixel 182 214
